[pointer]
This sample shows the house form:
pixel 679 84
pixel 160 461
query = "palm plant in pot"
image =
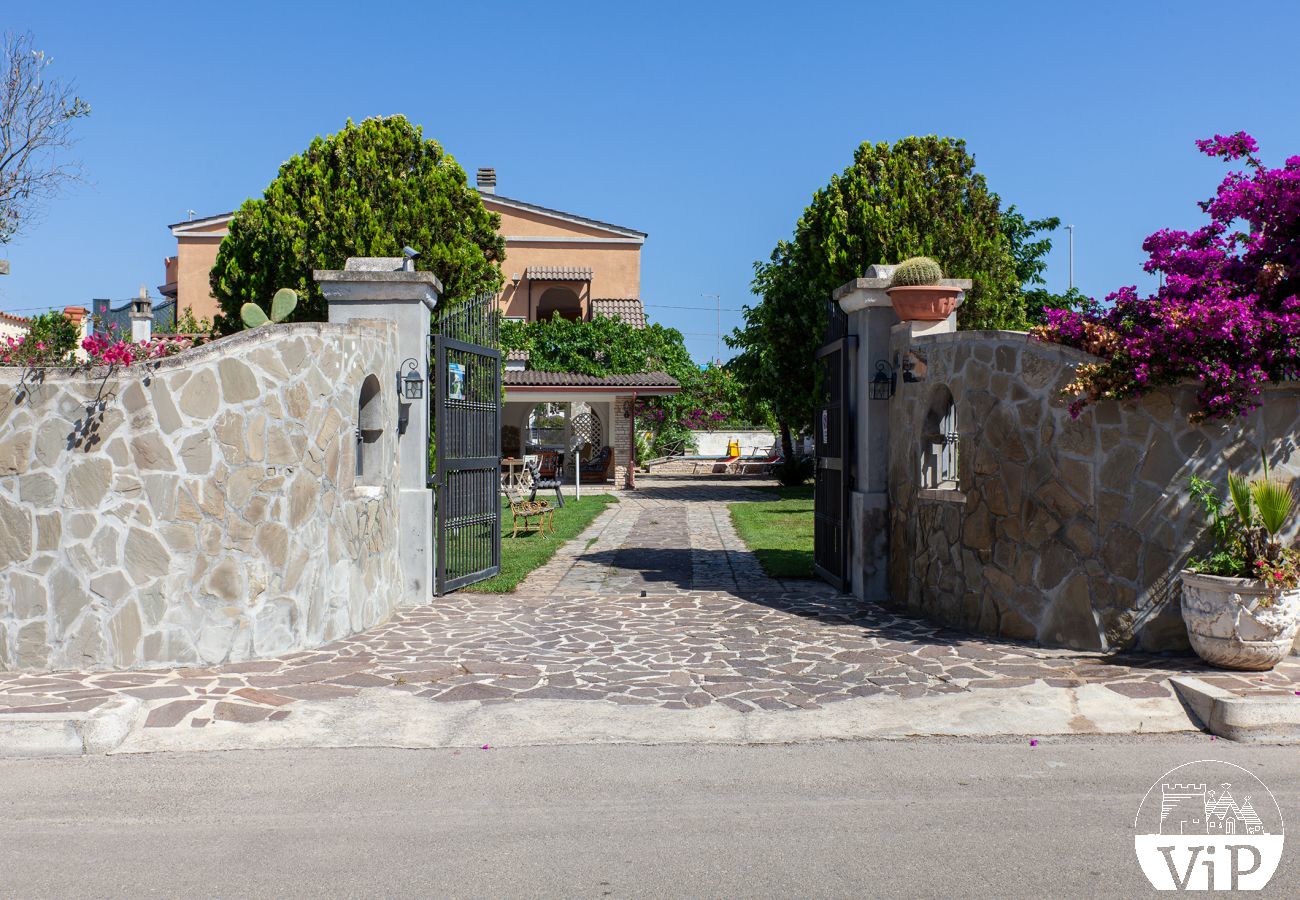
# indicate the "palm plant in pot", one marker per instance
pixel 916 293
pixel 1241 602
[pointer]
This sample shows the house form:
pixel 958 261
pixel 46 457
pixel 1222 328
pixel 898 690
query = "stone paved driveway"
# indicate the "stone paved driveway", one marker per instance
pixel 657 604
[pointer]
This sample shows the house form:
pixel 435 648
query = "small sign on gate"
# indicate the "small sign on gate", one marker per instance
pixel 455 381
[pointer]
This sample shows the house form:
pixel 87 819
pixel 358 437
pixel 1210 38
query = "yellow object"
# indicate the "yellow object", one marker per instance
pixel 733 447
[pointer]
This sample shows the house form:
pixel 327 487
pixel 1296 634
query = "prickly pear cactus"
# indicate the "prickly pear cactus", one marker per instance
pixel 917 270
pixel 282 306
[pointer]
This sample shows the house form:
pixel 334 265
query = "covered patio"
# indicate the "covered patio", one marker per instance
pixel 587 422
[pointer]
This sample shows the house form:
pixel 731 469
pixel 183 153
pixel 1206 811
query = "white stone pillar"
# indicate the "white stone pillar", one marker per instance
pixel 871 319
pixel 379 288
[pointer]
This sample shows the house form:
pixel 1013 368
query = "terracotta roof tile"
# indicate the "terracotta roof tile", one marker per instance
pixel 531 378
pixel 558 273
pixel 629 309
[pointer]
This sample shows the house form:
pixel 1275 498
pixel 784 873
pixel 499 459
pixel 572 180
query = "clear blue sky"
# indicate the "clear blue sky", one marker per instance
pixel 708 125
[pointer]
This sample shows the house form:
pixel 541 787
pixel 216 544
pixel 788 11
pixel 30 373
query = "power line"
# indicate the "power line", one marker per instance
pixel 696 308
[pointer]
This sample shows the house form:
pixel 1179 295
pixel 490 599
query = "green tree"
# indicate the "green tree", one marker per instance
pixel 1029 246
pixel 369 190
pixel 918 197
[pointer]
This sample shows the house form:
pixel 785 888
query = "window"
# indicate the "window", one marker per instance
pixel 940 443
pixel 370 429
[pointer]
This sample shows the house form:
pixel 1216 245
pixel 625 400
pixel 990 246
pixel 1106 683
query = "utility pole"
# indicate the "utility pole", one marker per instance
pixel 1070 228
pixel 717 347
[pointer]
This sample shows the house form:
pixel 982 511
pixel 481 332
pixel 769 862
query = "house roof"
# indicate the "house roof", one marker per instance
pixel 659 382
pixel 195 226
pixel 629 309
pixel 558 273
pixel 571 217
pixel 21 321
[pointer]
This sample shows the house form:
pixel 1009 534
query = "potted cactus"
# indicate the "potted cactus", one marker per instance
pixel 1241 602
pixel 916 293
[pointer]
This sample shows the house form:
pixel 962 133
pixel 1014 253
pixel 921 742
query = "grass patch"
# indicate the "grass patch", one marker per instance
pixel 779 531
pixel 522 554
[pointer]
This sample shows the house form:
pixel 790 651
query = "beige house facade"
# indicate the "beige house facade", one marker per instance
pixel 556 263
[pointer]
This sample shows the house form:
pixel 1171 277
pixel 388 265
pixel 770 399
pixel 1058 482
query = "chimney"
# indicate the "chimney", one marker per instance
pixel 141 317
pixel 487 181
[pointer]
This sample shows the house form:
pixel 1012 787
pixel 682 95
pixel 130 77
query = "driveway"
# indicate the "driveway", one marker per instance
pixel 657 606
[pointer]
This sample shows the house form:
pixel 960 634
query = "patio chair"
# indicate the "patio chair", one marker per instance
pixel 763 459
pixel 548 462
pixel 600 467
pixel 529 510
pixel 537 482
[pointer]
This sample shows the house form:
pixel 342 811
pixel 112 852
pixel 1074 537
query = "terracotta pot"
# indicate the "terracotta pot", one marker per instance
pixel 923 302
pixel 1227 626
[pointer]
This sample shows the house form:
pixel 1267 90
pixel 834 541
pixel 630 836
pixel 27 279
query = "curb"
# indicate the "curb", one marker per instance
pixel 1258 720
pixel 68 734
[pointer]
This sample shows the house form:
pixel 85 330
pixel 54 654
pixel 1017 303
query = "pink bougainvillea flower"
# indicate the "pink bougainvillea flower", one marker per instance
pixel 1228 312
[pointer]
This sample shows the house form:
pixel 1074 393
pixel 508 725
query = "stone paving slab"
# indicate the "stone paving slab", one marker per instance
pixel 657 605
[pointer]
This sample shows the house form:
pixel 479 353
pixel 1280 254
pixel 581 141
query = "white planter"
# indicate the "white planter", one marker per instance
pixel 1227 627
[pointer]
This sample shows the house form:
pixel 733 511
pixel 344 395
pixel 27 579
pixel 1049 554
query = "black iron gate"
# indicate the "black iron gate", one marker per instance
pixel 467 444
pixel 832 439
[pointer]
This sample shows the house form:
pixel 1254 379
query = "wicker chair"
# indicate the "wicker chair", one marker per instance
pixel 537 482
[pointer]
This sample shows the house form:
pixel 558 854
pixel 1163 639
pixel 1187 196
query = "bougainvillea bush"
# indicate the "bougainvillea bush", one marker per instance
pixel 33 351
pixel 1228 313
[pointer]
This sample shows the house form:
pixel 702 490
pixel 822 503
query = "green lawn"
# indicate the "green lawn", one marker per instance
pixel 522 554
pixel 779 531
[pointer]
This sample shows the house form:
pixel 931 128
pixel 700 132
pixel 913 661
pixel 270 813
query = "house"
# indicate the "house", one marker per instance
pixel 12 326
pixel 556 264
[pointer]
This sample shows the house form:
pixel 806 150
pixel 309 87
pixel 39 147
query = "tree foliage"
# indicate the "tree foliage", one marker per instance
pixel 36 116
pixel 918 197
pixel 369 190
pixel 606 345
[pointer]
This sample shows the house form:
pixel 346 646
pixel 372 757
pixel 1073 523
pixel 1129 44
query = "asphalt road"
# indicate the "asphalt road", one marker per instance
pixel 917 819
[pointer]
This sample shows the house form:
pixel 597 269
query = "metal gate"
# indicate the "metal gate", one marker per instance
pixel 832 433
pixel 467 444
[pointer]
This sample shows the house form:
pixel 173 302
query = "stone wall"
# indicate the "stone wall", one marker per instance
pixel 1066 531
pixel 202 509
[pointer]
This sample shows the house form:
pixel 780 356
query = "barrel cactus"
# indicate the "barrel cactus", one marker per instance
pixel 919 270
pixel 282 306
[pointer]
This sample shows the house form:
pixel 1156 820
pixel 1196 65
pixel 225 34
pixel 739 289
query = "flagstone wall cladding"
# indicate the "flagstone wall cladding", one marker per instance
pixel 199 510
pixel 1065 531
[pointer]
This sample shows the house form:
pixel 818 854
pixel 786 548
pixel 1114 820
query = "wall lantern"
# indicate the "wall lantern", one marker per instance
pixel 410 385
pixel 627 409
pixel 883 382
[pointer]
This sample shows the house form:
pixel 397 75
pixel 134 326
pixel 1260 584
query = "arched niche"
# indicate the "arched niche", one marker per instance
pixel 940 443
pixel 370 430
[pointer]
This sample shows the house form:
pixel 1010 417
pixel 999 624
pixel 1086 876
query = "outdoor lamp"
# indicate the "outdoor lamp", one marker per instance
pixel 883 382
pixel 411 385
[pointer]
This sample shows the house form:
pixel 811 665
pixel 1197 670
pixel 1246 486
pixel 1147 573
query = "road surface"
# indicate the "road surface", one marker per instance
pixel 930 818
